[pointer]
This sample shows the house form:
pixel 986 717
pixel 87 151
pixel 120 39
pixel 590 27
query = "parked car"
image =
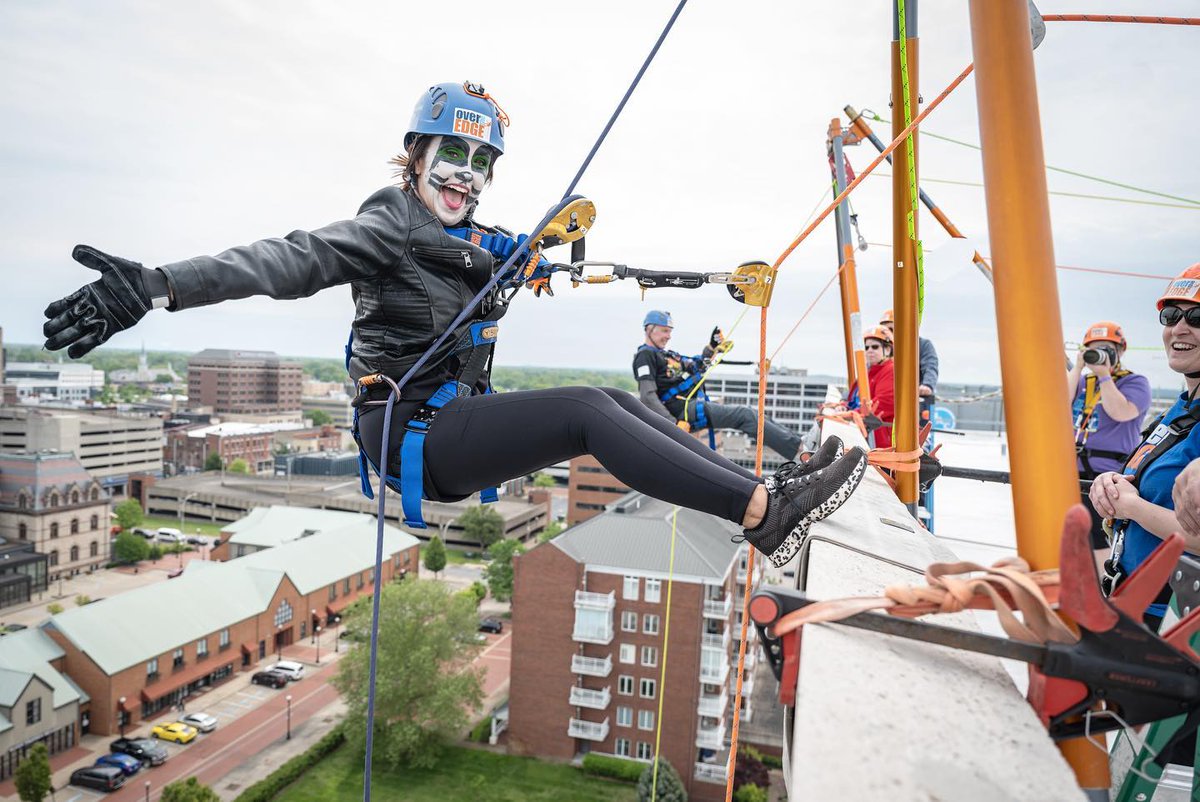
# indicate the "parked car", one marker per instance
pixel 5 630
pixel 175 731
pixel 493 625
pixel 273 679
pixel 289 668
pixel 168 535
pixel 174 572
pixel 196 540
pixel 102 778
pixel 149 534
pixel 143 749
pixel 201 721
pixel 128 764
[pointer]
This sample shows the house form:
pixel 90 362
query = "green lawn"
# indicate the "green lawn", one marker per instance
pixel 189 527
pixel 456 557
pixel 464 775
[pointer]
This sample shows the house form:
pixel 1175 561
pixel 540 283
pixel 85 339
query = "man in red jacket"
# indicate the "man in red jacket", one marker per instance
pixel 881 378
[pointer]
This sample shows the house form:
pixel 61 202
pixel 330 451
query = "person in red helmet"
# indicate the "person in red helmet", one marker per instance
pixel 1109 404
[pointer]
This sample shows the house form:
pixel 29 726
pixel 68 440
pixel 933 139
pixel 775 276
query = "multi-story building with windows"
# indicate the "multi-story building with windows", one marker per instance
pixel 138 653
pixel 111 446
pixel 38 702
pixel 54 381
pixel 590 488
pixel 247 384
pixel 51 502
pixel 589 620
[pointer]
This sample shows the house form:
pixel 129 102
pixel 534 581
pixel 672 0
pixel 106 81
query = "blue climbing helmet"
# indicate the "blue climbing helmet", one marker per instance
pixel 465 110
pixel 656 317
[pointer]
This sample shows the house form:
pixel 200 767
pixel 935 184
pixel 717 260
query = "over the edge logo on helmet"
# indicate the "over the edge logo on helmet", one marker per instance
pixel 1182 288
pixel 472 123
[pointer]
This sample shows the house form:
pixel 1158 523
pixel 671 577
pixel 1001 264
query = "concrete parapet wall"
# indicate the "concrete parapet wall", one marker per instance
pixel 883 718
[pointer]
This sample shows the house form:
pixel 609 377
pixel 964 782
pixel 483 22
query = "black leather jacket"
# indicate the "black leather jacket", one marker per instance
pixel 408 277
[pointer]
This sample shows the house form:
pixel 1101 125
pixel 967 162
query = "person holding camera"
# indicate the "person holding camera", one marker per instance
pixel 1109 404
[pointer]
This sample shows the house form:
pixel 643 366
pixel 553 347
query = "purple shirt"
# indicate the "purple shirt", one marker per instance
pixel 1105 434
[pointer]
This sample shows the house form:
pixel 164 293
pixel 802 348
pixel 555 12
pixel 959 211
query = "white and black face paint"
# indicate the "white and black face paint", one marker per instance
pixel 452 174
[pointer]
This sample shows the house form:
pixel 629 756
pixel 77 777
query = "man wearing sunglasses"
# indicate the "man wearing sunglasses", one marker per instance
pixel 1109 404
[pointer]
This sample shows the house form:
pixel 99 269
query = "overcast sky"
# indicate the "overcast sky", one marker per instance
pixel 162 131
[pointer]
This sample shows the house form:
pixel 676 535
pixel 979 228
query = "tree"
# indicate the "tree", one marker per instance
pixel 426 689
pixel 669 787
pixel 750 770
pixel 190 790
pixel 54 608
pixel 482 524
pixel 33 775
pixel 479 591
pixel 499 572
pixel 319 417
pixel 750 793
pixel 552 530
pixel 541 479
pixel 435 555
pixel 213 462
pixel 82 599
pixel 239 465
pixel 129 548
pixel 129 514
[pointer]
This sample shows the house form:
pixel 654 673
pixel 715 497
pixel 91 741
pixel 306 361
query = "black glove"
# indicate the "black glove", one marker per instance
pixel 88 317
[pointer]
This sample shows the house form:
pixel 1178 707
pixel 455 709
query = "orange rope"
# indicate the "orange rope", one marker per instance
pixel 895 143
pixel 763 367
pixel 1120 18
pixel 1113 272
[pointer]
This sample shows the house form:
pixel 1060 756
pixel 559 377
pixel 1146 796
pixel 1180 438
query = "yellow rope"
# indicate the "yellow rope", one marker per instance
pixel 718 358
pixel 662 678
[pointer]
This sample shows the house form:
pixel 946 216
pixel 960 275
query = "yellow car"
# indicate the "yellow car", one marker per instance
pixel 175 731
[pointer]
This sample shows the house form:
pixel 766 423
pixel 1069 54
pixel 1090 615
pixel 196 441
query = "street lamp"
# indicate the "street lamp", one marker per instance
pixel 121 715
pixel 312 621
pixel 289 717
pixel 317 631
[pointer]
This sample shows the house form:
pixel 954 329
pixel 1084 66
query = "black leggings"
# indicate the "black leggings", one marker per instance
pixel 485 440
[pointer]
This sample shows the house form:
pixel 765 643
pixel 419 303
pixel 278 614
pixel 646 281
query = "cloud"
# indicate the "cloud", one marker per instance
pixel 162 132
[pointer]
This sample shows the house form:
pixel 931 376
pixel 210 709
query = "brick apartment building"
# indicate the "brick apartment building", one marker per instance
pixel 51 502
pixel 38 702
pixel 138 653
pixel 244 383
pixel 111 446
pixel 589 613
pixel 188 447
pixel 590 488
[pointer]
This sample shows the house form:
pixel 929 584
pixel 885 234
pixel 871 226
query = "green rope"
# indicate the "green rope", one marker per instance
pixel 1063 170
pixel 910 214
pixel 1112 198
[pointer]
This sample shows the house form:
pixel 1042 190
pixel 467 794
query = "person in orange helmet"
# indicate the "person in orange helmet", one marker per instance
pixel 1109 404
pixel 927 361
pixel 881 379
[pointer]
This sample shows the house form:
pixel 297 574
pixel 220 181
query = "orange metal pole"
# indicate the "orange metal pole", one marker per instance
pixel 904 272
pixel 853 322
pixel 856 359
pixel 1042 459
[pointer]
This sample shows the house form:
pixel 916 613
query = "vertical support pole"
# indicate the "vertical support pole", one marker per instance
pixel 856 357
pixel 904 252
pixel 1042 459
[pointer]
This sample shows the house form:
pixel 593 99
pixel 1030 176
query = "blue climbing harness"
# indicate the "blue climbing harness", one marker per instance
pixel 701 399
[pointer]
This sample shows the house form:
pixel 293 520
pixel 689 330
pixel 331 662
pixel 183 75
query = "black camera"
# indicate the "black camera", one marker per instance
pixel 1100 355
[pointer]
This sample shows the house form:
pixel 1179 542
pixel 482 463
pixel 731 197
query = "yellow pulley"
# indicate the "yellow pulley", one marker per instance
pixel 753 283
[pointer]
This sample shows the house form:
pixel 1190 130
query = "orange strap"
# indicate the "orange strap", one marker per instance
pixel 893 460
pixel 852 415
pixel 953 587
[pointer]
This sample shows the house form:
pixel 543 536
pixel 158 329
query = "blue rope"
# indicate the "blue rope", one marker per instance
pixel 567 198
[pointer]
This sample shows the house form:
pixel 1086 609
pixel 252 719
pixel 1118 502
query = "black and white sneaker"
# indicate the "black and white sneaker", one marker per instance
pixel 797 501
pixel 829 452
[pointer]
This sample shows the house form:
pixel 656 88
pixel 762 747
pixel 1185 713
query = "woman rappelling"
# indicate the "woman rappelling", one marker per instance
pixel 414 256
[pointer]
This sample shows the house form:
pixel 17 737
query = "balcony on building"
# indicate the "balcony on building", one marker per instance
pixel 713 705
pixel 594 617
pixel 708 737
pixel 717 640
pixel 586 697
pixel 588 730
pixel 591 666
pixel 711 772
pixel 595 601
pixel 714 673
pixel 718 608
